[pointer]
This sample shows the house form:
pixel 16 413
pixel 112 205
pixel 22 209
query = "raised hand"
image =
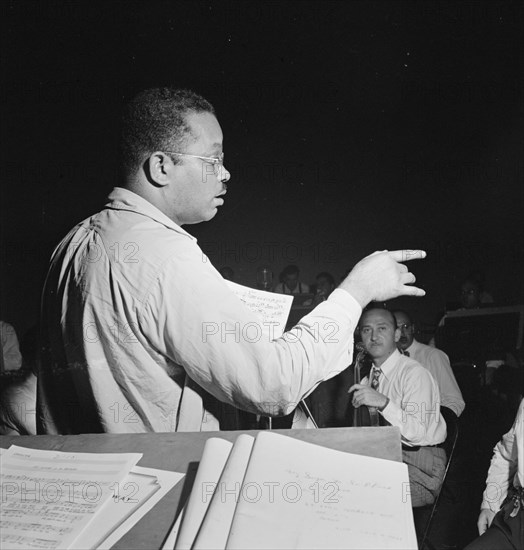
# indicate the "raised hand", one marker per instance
pixel 382 276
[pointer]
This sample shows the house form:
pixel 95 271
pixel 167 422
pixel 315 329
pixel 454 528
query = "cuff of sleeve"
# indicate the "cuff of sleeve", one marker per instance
pixel 343 298
pixel 493 506
pixel 387 403
pixel 390 412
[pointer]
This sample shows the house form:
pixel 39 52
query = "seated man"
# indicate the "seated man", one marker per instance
pixel 433 359
pixel 407 396
pixel 324 286
pixel 470 297
pixel 501 519
pixel 290 283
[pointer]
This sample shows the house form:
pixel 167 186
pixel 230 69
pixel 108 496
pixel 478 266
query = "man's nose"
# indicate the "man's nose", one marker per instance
pixel 223 174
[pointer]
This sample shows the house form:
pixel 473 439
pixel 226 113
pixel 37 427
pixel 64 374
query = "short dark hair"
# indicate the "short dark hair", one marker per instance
pixel 325 275
pixel 474 282
pixel 405 313
pixel 290 270
pixel 155 120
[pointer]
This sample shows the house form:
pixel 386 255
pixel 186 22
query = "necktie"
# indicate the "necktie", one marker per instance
pixel 374 377
pixel 406 353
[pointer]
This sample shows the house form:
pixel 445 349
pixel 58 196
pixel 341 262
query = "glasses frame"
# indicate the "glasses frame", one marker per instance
pixel 215 161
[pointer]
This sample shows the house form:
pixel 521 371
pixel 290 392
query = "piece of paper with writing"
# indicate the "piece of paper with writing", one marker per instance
pixel 271 308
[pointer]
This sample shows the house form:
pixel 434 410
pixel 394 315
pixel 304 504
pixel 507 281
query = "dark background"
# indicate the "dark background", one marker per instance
pixel 349 127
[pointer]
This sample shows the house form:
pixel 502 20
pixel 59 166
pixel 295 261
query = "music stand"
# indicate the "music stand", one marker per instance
pixel 474 336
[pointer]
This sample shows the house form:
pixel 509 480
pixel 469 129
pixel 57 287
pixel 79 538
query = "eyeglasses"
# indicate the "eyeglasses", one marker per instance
pixel 404 326
pixel 217 162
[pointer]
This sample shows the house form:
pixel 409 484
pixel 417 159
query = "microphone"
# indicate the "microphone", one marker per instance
pixel 264 278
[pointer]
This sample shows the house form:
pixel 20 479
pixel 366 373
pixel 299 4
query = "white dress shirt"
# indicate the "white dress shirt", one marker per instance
pixel 301 288
pixel 437 363
pixel 414 401
pixel 507 465
pixel 141 329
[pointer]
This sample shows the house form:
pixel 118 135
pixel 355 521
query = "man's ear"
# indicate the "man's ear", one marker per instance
pixel 398 333
pixel 159 167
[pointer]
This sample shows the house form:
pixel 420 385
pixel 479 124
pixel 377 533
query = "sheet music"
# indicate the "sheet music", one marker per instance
pixel 215 527
pixel 170 541
pixel 306 496
pixel 272 308
pixel 214 458
pixel 49 497
pixel 134 491
pixel 136 495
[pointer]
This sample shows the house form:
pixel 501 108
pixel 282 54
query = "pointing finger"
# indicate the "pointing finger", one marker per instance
pixel 412 291
pixel 406 255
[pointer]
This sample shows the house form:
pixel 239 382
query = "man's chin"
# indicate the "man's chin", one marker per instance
pixel 209 215
pixel 375 353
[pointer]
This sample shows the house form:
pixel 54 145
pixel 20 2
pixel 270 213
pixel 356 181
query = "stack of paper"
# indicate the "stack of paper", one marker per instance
pixel 52 499
pixel 278 492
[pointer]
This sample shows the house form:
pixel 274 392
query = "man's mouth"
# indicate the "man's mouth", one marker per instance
pixel 223 192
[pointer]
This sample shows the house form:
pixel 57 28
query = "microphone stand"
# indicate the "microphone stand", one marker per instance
pixel 358 364
pixel 306 410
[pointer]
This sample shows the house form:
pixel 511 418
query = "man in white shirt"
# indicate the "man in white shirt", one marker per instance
pixel 141 332
pixel 290 282
pixel 405 395
pixel 432 359
pixel 501 519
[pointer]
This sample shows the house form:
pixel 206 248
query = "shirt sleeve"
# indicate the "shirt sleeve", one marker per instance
pixel 504 464
pixel 192 317
pixel 415 408
pixel 10 347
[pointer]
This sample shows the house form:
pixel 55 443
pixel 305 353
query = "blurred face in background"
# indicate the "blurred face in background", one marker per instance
pixel 407 330
pixel 470 295
pixel 324 286
pixel 291 280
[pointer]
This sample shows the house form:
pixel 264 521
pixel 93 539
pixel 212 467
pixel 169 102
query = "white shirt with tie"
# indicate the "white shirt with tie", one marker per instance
pixel 414 401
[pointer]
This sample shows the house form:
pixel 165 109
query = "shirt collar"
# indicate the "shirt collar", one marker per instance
pixel 413 347
pixel 390 363
pixel 124 199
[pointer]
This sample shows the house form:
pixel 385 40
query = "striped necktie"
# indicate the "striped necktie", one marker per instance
pixel 375 375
